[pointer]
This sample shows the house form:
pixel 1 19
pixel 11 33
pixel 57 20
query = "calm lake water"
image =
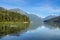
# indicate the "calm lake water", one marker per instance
pixel 36 32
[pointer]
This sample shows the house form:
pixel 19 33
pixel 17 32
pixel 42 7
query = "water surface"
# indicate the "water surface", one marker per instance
pixel 44 31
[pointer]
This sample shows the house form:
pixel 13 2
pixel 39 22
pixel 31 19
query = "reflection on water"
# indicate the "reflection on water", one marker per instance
pixel 34 25
pixel 14 28
pixel 47 31
pixel 52 25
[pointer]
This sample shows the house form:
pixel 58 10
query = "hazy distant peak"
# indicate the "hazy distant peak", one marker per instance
pixel 18 10
pixel 49 17
pixel 1 8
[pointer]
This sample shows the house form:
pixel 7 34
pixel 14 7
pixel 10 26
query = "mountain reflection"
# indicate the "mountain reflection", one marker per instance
pixel 12 29
pixel 52 25
pixel 35 25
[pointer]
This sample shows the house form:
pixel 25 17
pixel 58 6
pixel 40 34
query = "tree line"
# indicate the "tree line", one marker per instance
pixel 7 15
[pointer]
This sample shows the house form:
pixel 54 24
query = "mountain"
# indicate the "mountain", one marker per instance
pixel 18 10
pixel 49 17
pixel 35 20
pixel 53 19
pixel 7 15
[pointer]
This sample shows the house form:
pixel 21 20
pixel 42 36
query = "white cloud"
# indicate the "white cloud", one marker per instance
pixel 47 9
pixel 45 6
pixel 44 10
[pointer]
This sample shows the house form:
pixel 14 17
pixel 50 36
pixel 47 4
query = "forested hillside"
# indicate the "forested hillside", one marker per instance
pixel 7 15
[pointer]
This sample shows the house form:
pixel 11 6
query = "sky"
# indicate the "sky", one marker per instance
pixel 41 8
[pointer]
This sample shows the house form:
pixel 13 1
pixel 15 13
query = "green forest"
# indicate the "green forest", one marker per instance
pixel 10 16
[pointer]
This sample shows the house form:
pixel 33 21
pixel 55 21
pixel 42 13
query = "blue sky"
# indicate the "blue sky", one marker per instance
pixel 41 8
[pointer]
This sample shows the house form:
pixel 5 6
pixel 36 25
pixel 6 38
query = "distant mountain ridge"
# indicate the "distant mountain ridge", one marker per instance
pixel 53 19
pixel 18 10
pixel 49 17
pixel 31 16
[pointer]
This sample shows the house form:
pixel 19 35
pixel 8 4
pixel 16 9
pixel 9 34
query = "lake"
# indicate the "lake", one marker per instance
pixel 44 31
